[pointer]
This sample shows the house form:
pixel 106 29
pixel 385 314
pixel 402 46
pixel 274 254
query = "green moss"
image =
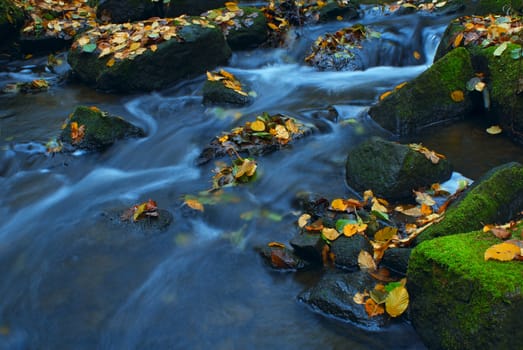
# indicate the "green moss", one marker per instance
pixel 460 301
pixel 427 99
pixel 495 198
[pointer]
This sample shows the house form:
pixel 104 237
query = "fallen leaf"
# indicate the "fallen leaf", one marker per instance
pixel 194 204
pixel 397 301
pixel 385 233
pixel 457 96
pixel 494 130
pixel 359 298
pixel 276 245
pixel 373 309
pixel 258 125
pixel 458 39
pixel 502 252
pixel 416 55
pixel 330 233
pixel 339 204
pixel 500 49
pixel 366 262
pixel 303 220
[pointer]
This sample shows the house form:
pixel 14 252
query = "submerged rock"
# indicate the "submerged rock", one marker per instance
pixel 494 198
pixel 90 129
pixel 282 258
pixel 460 301
pixel 392 170
pixel 333 295
pixel 167 51
pixel 437 96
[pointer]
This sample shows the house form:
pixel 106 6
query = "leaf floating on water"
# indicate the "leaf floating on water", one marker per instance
pixel 194 204
pixel 494 130
pixel 397 301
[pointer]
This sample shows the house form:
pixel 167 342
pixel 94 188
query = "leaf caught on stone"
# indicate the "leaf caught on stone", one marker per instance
pixel 330 233
pixel 494 130
pixel 385 233
pixel 500 49
pixel 457 96
pixel 373 309
pixel 366 262
pixel 359 298
pixel 77 132
pixel 397 301
pixel 502 252
pixel 303 220
pixel 141 211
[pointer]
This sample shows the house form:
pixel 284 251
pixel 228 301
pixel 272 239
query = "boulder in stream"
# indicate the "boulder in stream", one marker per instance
pixel 347 249
pixel 437 96
pixel 147 55
pixel 460 301
pixel 280 257
pixel 90 129
pixel 333 295
pixel 494 198
pixel 392 170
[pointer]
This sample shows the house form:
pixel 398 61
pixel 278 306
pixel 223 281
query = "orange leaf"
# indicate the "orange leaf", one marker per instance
pixel 457 96
pixel 315 226
pixel 458 39
pixel 416 55
pixel 110 63
pixel 339 204
pixel 373 309
pixel 276 245
pixel 385 95
pixel 194 204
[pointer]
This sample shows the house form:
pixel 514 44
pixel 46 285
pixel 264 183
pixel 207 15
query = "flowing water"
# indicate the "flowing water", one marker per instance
pixel 72 279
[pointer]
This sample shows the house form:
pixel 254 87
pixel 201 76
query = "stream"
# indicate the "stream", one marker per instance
pixel 73 280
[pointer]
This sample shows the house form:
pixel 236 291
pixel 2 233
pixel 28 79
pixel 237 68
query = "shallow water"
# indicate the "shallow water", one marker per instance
pixel 73 279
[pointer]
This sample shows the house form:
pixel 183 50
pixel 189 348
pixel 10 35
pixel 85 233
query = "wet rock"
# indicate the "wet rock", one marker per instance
pixel 281 258
pixel 339 11
pixel 93 130
pixel 120 11
pixel 308 246
pixel 347 249
pixel 435 97
pixel 396 259
pixel 194 49
pixel 333 295
pixel 244 28
pixel 214 92
pixel 494 198
pixel 131 229
pixel 11 20
pixel 460 301
pixel 392 170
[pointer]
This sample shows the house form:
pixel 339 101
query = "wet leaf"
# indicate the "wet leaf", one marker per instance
pixel 248 167
pixel 385 95
pixel 330 233
pixel 500 49
pixel 385 233
pixel 416 55
pixel 350 230
pixel 359 298
pixel 303 220
pixel 276 245
pixel 372 308
pixel 77 132
pixel 339 204
pixel 315 226
pixel 378 294
pixel 194 204
pixel 494 130
pixel 397 301
pixel 458 39
pixel 258 125
pixel 89 48
pixel 110 63
pixel 502 252
pixel 424 198
pixel 366 262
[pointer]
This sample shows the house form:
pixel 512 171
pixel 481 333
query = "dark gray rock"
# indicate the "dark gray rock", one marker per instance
pixel 214 92
pixel 396 259
pixel 392 170
pixel 333 295
pixel 282 258
pixel 308 246
pixel 346 249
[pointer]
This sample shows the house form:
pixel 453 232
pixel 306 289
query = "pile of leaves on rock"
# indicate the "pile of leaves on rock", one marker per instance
pixel 230 17
pixel 512 246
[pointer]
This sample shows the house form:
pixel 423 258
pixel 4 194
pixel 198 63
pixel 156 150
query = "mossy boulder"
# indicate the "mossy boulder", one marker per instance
pixel 249 30
pixel 485 7
pixel 460 301
pixel 495 198
pixel 99 129
pixel 11 20
pixel 502 77
pixel 120 11
pixel 435 97
pixel 333 295
pixel 392 170
pixel 196 49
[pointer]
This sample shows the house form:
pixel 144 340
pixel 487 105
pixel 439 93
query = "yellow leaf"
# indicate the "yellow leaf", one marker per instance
pixel 258 125
pixel 330 233
pixel 291 126
pixel 339 204
pixel 397 301
pixel 401 85
pixel 457 96
pixel 350 230
pixel 232 6
pixel 359 298
pixel 273 26
pixel 303 220
pixel 248 168
pixel 494 130
pixel 366 262
pixel 194 204
pixel 339 18
pixel 502 252
pixel 227 75
pixel 377 206
pixel 385 233
pixel 214 77
pixel 424 198
pixel 416 55
pixel 84 40
pixel 110 63
pixel 458 39
pixel 281 132
pixel 134 46
pixel 276 245
pixel 385 95
pixel 153 48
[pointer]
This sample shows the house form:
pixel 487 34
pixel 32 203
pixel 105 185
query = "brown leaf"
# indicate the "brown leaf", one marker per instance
pixel 366 262
pixel 373 309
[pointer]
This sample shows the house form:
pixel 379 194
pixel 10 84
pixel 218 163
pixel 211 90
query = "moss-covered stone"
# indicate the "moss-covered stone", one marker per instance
pixel 426 101
pixel 100 129
pixel 11 20
pixel 392 170
pixel 495 198
pixel 250 32
pixel 202 49
pixel 460 301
